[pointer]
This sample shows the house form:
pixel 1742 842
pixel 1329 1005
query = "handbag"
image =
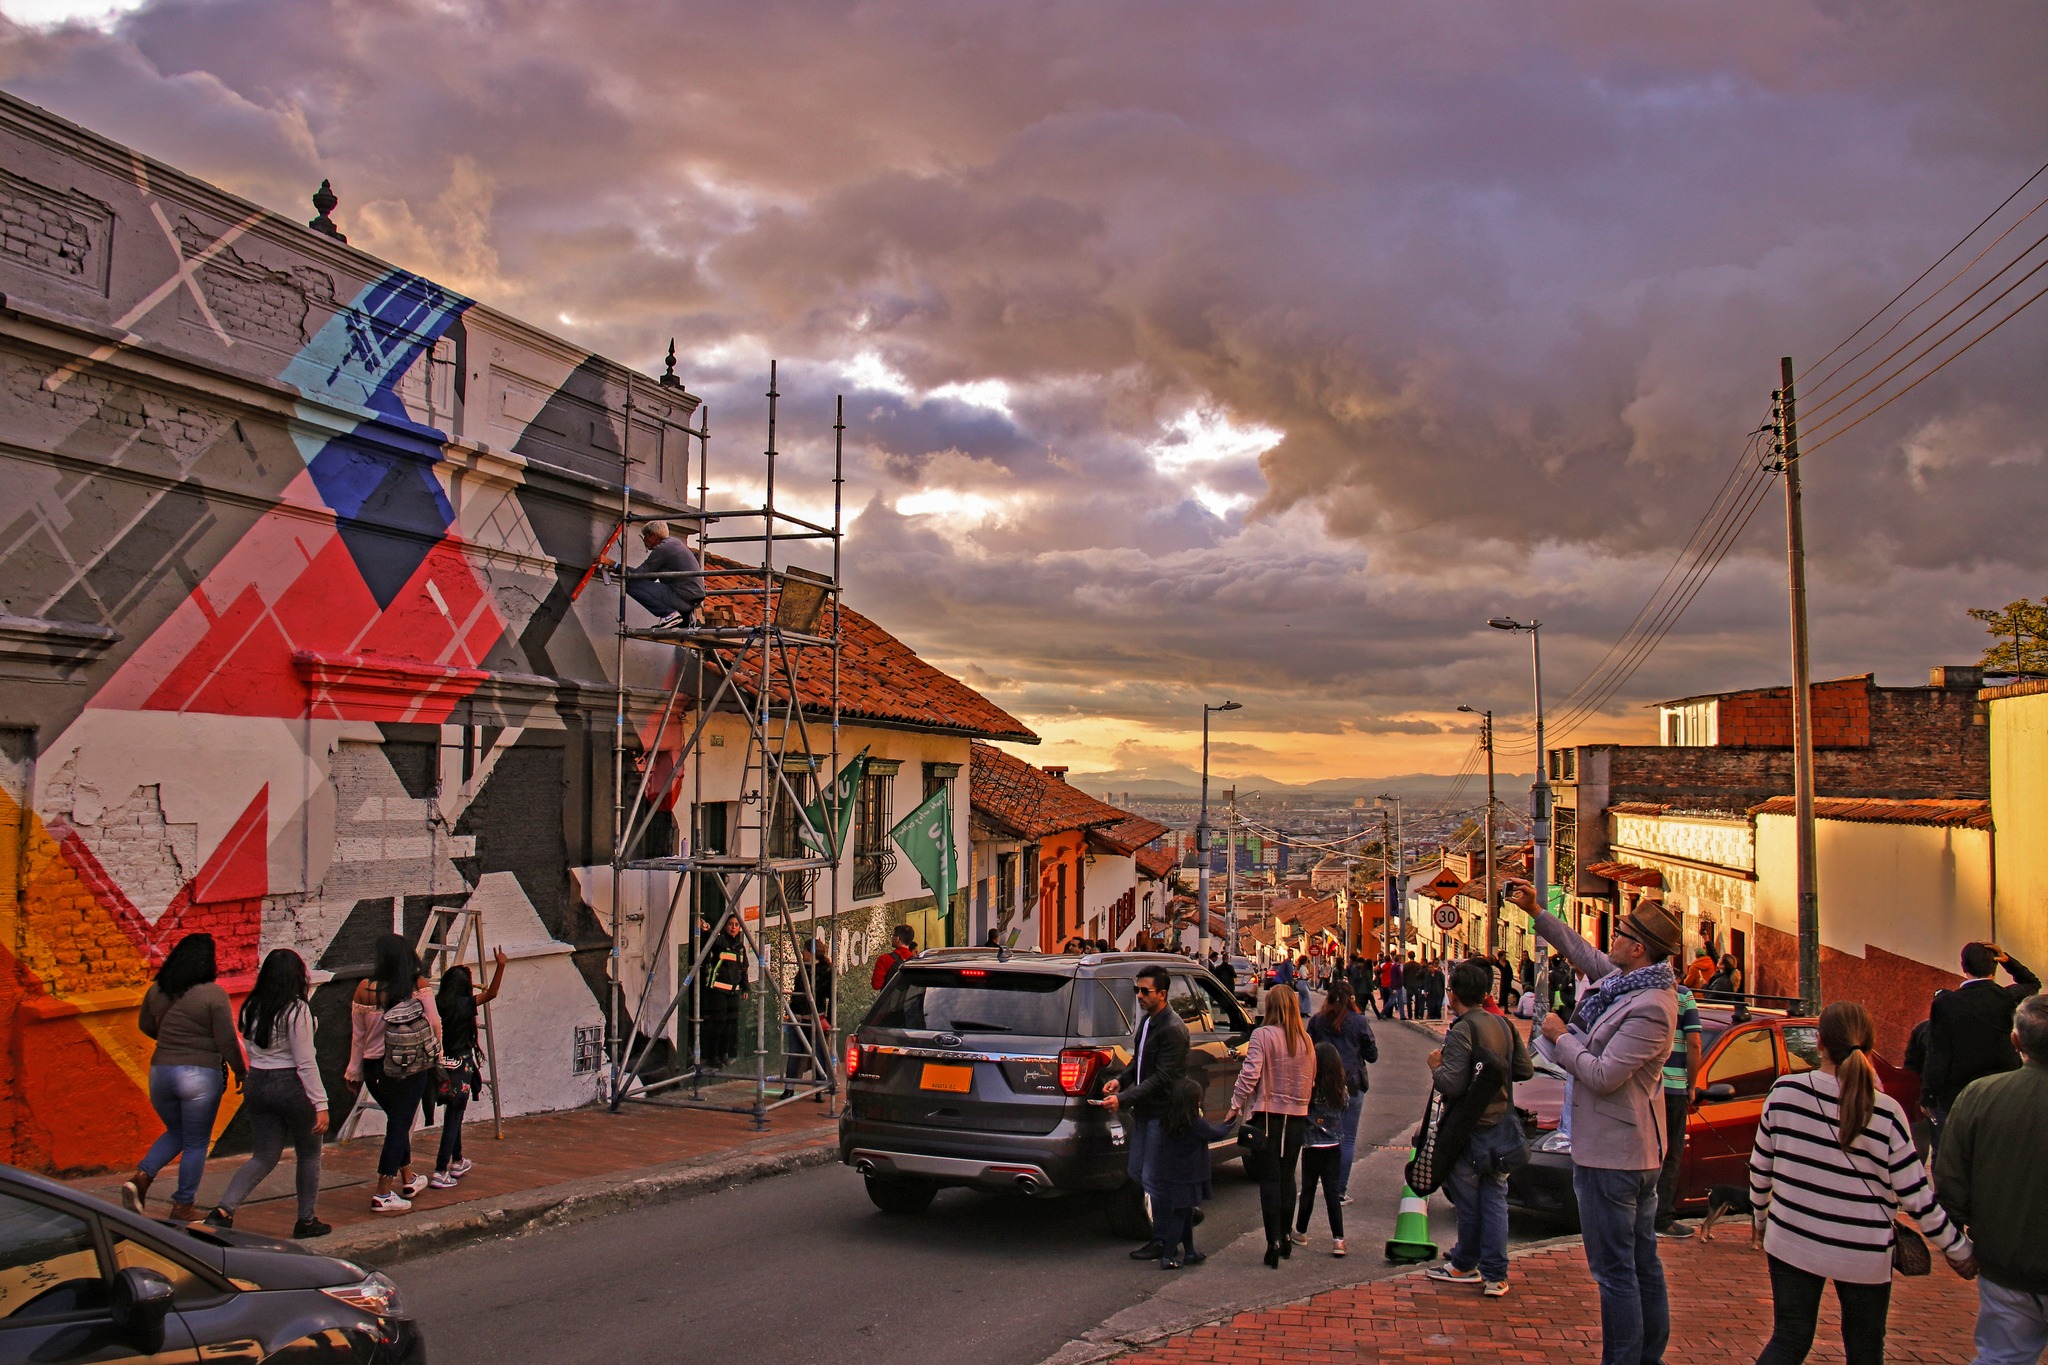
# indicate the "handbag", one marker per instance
pixel 1259 1147
pixel 1448 1125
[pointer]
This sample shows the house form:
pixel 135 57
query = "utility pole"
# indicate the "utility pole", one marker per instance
pixel 1492 898
pixel 1802 695
pixel 1230 882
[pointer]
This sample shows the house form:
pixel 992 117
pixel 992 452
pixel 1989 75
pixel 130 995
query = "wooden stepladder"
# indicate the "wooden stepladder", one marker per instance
pixel 454 935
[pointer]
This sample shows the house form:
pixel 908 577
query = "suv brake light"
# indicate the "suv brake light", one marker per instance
pixel 852 1058
pixel 1078 1066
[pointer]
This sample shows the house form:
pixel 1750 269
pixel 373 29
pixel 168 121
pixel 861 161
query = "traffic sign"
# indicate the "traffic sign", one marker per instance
pixel 1447 917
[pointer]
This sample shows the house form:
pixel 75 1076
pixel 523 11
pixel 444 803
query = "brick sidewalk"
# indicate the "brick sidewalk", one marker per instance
pixel 538 1151
pixel 1721 1311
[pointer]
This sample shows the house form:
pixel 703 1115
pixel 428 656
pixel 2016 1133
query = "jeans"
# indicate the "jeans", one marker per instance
pixel 1175 1230
pixel 400 1100
pixel 1347 1140
pixel 452 1111
pixel 1481 1199
pixel 1676 1104
pixel 186 1098
pixel 1276 1191
pixel 2012 1326
pixel 1397 1003
pixel 1618 1214
pixel 1795 1311
pixel 278 1109
pixel 1319 1167
pixel 659 597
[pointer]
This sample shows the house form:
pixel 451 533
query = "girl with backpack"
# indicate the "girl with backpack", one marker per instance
pixel 1180 1173
pixel 394 1042
pixel 286 1098
pixel 1322 1148
pixel 188 1015
pixel 458 1002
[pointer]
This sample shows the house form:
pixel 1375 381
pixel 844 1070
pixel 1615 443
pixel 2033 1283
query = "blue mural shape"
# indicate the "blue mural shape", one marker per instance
pixel 380 474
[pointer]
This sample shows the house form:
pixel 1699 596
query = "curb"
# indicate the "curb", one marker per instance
pixel 388 1243
pixel 1086 1352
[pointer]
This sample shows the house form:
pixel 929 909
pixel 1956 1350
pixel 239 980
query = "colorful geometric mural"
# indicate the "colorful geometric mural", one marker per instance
pixel 286 543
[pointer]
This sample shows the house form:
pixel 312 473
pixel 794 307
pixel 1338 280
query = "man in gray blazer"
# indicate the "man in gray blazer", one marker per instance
pixel 1614 1049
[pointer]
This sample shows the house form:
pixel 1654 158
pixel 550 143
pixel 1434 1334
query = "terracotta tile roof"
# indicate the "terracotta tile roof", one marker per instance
pixel 1013 795
pixel 1627 874
pixel 1157 863
pixel 1874 811
pixel 880 677
pixel 1637 808
pixel 1130 834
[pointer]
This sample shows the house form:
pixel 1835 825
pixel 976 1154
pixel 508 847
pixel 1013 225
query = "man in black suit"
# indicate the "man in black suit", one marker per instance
pixel 1159 1057
pixel 1969 1029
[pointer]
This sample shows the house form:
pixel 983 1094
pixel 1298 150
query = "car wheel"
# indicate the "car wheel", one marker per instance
pixel 1129 1216
pixel 901 1194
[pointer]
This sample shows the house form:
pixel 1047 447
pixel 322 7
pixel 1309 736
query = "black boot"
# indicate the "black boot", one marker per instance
pixel 1148 1251
pixel 1272 1254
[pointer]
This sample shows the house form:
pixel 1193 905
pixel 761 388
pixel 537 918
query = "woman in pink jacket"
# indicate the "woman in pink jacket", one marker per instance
pixel 1273 1089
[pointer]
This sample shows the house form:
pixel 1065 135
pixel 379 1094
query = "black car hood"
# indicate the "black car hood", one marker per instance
pixel 269 1262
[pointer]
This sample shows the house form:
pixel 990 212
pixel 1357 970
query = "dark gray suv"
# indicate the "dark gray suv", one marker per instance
pixel 976 1067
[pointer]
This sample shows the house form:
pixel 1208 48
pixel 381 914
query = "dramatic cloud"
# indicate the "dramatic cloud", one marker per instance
pixel 1196 350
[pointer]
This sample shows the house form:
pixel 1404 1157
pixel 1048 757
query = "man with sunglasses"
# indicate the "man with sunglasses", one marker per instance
pixel 1159 1057
pixel 1615 1049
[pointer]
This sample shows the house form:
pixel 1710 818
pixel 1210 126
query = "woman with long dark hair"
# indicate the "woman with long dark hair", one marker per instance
pixel 1343 1025
pixel 187 1013
pixel 458 1002
pixel 391 1008
pixel 286 1098
pixel 1273 1088
pixel 1832 1167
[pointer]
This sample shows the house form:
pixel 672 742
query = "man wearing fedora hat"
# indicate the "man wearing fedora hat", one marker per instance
pixel 1615 1049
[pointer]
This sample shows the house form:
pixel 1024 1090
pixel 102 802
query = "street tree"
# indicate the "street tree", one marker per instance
pixel 2021 629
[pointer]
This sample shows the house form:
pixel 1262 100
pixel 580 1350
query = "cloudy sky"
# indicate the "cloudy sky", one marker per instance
pixel 1196 349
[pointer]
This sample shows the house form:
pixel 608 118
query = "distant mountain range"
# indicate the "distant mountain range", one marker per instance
pixel 1170 782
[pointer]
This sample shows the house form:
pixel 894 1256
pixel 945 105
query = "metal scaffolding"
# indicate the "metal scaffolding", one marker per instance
pixel 743 656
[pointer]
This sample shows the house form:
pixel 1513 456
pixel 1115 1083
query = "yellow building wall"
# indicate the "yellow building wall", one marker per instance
pixel 2019 807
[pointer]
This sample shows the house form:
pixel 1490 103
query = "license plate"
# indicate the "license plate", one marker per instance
pixel 937 1076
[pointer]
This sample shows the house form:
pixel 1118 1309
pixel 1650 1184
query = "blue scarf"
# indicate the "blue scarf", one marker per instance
pixel 1609 990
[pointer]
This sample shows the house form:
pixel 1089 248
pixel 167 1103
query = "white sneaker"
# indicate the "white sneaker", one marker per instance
pixel 1300 1239
pixel 1496 1289
pixel 393 1202
pixel 441 1180
pixel 461 1168
pixel 1449 1274
pixel 418 1187
pixel 1337 1248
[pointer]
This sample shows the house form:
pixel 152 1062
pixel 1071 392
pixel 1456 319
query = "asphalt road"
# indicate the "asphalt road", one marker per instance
pixel 803 1267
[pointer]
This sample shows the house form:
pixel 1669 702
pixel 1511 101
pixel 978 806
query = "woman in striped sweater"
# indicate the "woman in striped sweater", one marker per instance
pixel 1833 1164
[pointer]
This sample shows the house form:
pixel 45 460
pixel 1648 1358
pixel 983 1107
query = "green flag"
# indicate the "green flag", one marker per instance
pixel 926 838
pixel 829 816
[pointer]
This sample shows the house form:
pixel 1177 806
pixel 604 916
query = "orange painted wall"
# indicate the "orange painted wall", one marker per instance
pixel 1057 852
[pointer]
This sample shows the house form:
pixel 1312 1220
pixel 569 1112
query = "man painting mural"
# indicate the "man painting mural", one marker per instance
pixel 673 601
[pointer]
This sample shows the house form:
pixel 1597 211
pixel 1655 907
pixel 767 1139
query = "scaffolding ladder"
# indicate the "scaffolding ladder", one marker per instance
pixel 744 657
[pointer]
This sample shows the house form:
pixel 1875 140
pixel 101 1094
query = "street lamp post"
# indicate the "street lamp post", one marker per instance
pixel 1492 898
pixel 1202 837
pixel 1397 884
pixel 1539 795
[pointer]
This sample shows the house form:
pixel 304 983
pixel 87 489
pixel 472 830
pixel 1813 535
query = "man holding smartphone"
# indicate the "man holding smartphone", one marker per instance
pixel 1159 1057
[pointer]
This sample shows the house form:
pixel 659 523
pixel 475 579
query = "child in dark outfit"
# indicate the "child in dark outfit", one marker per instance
pixel 1182 1174
pixel 1322 1153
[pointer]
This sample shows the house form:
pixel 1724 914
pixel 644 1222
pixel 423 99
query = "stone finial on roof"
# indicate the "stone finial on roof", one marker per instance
pixel 324 204
pixel 668 378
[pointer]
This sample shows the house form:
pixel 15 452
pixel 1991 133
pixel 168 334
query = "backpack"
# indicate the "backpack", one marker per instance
pixel 409 1044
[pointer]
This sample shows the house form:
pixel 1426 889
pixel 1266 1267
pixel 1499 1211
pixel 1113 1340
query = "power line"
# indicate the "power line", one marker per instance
pixel 1923 275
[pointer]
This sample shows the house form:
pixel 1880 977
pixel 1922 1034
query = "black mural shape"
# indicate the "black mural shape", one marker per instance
pixel 353 949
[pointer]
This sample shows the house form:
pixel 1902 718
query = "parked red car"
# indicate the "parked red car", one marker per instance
pixel 1743 1058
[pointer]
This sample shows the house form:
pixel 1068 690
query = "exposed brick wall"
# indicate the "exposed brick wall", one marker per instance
pixel 57 232
pixel 1841 716
pixel 1924 742
pixel 250 299
pixel 1896 990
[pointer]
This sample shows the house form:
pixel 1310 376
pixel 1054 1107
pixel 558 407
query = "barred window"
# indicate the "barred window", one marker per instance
pixel 1564 857
pixel 783 840
pixel 873 859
